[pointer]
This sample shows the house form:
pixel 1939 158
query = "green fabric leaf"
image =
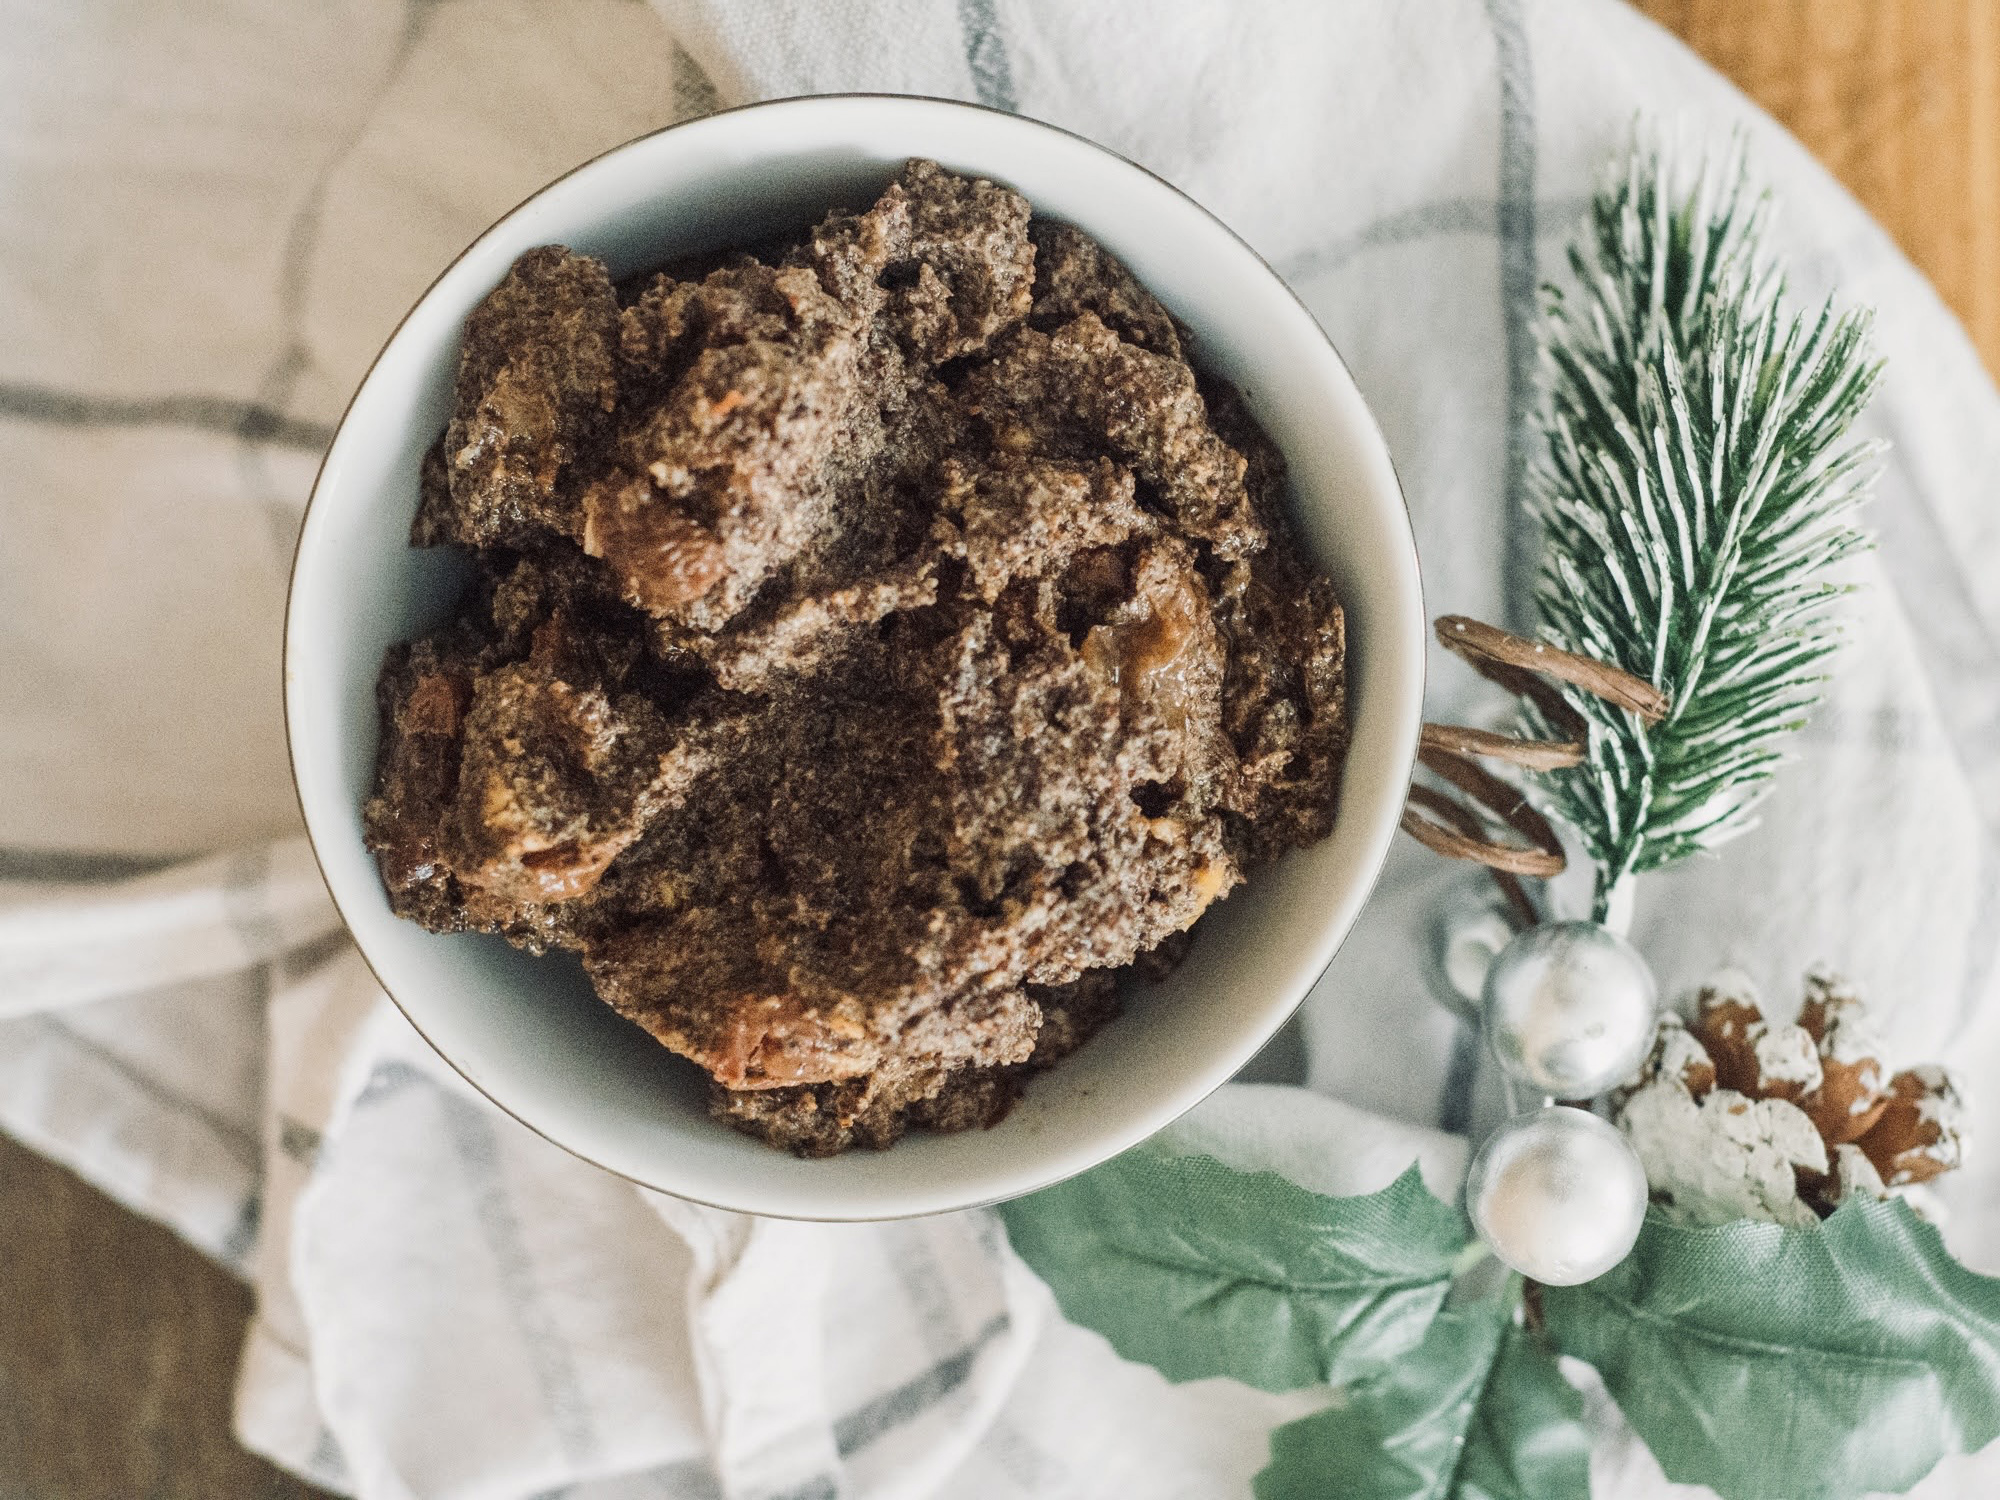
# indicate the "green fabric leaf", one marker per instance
pixel 1477 1412
pixel 1198 1269
pixel 1794 1364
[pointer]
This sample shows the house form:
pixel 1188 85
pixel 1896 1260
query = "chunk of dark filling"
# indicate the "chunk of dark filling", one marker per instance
pixel 877 653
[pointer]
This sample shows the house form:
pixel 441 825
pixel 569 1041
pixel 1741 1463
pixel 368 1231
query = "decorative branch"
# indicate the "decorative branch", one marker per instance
pixel 1695 495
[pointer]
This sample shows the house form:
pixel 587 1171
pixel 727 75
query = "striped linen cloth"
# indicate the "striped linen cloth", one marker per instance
pixel 217 211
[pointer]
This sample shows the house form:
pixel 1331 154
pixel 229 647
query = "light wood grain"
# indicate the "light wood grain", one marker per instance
pixel 1901 99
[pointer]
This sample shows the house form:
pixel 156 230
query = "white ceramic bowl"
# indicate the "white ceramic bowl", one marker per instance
pixel 528 1032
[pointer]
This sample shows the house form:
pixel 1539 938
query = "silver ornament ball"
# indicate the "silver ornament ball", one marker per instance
pixel 1569 1009
pixel 1558 1195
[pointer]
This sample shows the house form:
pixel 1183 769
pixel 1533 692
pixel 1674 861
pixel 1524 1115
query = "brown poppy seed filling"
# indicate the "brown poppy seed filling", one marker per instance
pixel 874 653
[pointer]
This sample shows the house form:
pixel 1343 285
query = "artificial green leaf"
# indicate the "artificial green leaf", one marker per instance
pixel 1478 1411
pixel 1794 1364
pixel 1198 1269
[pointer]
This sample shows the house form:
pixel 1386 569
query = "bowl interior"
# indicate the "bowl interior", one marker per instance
pixel 529 1032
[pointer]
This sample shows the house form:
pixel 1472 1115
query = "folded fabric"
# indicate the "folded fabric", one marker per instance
pixel 232 205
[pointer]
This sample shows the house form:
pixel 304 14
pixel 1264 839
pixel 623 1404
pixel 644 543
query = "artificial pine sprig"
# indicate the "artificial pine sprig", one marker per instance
pixel 1695 491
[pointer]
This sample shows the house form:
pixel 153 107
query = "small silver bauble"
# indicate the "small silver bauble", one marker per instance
pixel 1569 1009
pixel 1557 1194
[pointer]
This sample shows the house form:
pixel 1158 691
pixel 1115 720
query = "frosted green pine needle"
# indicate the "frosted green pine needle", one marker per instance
pixel 1695 491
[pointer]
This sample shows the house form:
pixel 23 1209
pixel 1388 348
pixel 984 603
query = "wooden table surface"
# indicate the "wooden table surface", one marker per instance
pixel 1901 99
pixel 118 1343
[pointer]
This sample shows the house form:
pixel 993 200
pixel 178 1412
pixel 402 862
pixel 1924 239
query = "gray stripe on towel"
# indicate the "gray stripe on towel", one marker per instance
pixel 923 1284
pixel 690 1479
pixel 241 1144
pixel 550 1356
pixel 283 510
pixel 1424 221
pixel 81 866
pixel 386 1080
pixel 472 1137
pixel 242 1237
pixel 246 903
pixel 986 54
pixel 913 1398
pixel 1517 297
pixel 328 1465
pixel 694 92
pixel 247 420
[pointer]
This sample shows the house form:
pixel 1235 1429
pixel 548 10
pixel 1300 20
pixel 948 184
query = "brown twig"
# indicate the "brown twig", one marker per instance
pixel 1466 825
pixel 1493 652
pixel 1452 751
pixel 1542 856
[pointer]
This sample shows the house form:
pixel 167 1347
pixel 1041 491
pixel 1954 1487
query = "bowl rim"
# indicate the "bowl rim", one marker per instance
pixel 1373 424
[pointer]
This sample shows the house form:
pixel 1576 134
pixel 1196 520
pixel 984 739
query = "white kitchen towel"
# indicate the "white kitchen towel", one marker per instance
pixel 217 211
